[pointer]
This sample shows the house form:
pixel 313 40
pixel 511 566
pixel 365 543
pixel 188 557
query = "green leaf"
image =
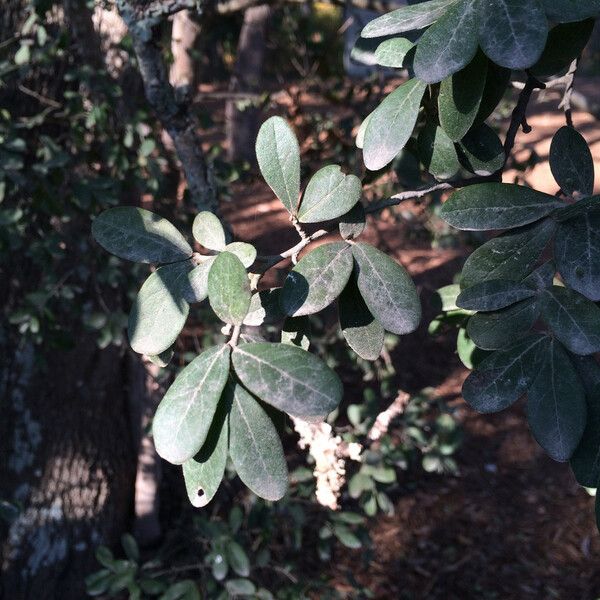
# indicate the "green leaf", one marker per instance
pixel 296 331
pixel 288 378
pixel 486 206
pixel 360 134
pixel 392 124
pixel 556 408
pixel 387 289
pixel 512 32
pixel 98 583
pixel 184 416
pixel 565 43
pixel 565 11
pixel 346 536
pixel 577 254
pixel 493 294
pixel 573 318
pixel 407 18
pixel 317 280
pixel 585 461
pixel 203 473
pixel 255 447
pixel 159 311
pixel 182 590
pixel 496 82
pixel 245 252
pixel 571 162
pixel 511 255
pixel 265 308
pixel 238 559
pixel 278 156
pixel 208 231
pixel 481 151
pixel 580 207
pixel 447 297
pixel 240 587
pixel 437 152
pixel 449 44
pixel 460 98
pixel 229 289
pixel 391 53
pixel 328 195
pixel 504 376
pixel 353 223
pixel 542 277
pixel 495 330
pixel 363 332
pixel 130 546
pixel 196 289
pixel 163 359
pixel 470 355
pixel 139 235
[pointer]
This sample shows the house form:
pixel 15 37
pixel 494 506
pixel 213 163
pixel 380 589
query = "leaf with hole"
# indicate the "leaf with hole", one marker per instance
pixel 556 407
pixel 391 124
pixel 184 416
pixel 328 195
pixel 208 231
pixel 255 447
pixel 493 294
pixel 278 156
pixel 139 235
pixel 504 376
pixel 288 378
pixel 487 206
pixel 387 289
pixel 449 44
pixel 317 280
pixel 571 162
pixel 229 289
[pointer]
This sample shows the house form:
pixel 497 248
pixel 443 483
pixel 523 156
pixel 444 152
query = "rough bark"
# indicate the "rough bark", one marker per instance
pixel 183 69
pixel 243 118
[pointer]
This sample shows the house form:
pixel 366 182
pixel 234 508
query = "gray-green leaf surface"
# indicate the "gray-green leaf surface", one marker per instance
pixel 208 231
pixel 571 162
pixel 493 294
pixel 437 152
pixel 391 53
pixel 229 289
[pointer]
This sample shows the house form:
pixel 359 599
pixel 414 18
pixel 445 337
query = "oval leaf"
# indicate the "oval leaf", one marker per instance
pixel 387 289
pixel 229 289
pixel 565 11
pixel 208 231
pixel 391 124
pixel 196 289
pixel 288 378
pixel 255 447
pixel 184 416
pixel 556 408
pixel 493 295
pixel 353 223
pixel 481 151
pixel 391 53
pixel 278 156
pixel 486 206
pixel 571 162
pixel 329 194
pixel 317 280
pixel 139 235
pixel 437 152
pixel 245 252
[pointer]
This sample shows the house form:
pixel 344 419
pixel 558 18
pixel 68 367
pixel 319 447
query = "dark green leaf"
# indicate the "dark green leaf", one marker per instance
pixel 130 546
pixel 437 152
pixel 182 590
pixel 573 318
pixel 495 330
pixel 288 378
pixel 571 162
pixel 577 253
pixel 391 53
pixel 317 280
pixel 265 308
pixel 449 44
pixel 229 288
pixel 556 408
pixel 580 207
pixel 486 206
pixel 565 11
pixel 391 124
pixel 159 311
pixel 296 331
pixel 565 43
pixel 481 151
pixel 407 18
pixel 542 277
pixel 245 252
pixel 238 559
pixel 208 231
pixel 511 255
pixel 387 289
pixel 493 294
pixel 504 376
pixel 139 235
pixel 184 416
pixel 278 156
pixel 255 447
pixel 460 97
pixel 496 82
pixel 353 223
pixel 512 32
pixel 203 473
pixel 328 195
pixel 363 332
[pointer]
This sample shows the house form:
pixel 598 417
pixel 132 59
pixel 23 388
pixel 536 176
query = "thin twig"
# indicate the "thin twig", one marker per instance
pixel 565 103
pixel 39 97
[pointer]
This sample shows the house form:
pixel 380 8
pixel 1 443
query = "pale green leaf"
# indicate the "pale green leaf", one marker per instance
pixel 265 308
pixel 208 231
pixel 437 152
pixel 196 288
pixel 353 223
pixel 391 53
pixel 229 288
pixel 245 252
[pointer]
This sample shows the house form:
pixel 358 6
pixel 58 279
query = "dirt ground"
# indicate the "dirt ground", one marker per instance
pixel 513 524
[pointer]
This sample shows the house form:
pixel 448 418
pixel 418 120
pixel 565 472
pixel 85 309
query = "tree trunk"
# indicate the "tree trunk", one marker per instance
pixel 183 69
pixel 242 117
pixel 68 459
